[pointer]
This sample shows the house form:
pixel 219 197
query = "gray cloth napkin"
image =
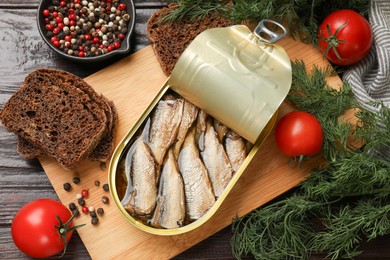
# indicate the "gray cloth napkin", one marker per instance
pixel 370 78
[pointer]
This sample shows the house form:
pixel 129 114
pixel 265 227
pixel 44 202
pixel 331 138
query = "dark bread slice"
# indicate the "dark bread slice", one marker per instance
pixel 105 147
pixel 28 150
pixel 63 77
pixel 169 40
pixel 51 112
pixel 102 151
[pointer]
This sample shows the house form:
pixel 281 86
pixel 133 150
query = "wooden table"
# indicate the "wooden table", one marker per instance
pixel 21 181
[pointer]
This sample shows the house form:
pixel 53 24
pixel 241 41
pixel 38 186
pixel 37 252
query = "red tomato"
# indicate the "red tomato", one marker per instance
pixel 33 228
pixel 299 133
pixel 345 37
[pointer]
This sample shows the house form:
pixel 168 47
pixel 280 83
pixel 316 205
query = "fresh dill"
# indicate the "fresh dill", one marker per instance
pixel 302 17
pixel 312 94
pixel 348 199
pixel 194 10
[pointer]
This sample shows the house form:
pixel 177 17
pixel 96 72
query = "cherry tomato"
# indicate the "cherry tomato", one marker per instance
pixel 298 134
pixel 344 37
pixel 34 229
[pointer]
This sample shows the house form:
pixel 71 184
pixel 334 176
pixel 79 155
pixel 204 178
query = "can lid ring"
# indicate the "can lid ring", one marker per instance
pixel 262 29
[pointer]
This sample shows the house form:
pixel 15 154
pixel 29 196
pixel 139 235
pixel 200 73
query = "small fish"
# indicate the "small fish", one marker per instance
pixel 165 122
pixel 216 161
pixel 190 113
pixel 142 187
pixel 200 128
pixel 170 210
pixel 197 186
pixel 236 149
pixel 221 129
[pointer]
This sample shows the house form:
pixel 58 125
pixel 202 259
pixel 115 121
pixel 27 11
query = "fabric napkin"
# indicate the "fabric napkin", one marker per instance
pixel 370 78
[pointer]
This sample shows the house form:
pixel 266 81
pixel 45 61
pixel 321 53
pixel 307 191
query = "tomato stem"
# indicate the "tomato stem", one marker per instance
pixel 332 41
pixel 63 229
pixel 301 158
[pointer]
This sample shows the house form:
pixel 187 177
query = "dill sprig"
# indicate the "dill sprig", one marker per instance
pixel 311 93
pixel 279 231
pixel 194 10
pixel 301 16
pixel 345 228
pixel 339 205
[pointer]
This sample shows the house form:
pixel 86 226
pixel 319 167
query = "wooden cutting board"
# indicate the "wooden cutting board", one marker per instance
pixel 132 83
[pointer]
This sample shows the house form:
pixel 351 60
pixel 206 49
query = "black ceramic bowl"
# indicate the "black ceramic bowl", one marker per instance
pixel 125 44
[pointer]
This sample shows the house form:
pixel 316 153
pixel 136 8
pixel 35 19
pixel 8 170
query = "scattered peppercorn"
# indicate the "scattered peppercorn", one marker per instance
pixel 93 214
pixel 81 202
pixel 97 183
pixel 105 200
pixel 72 206
pixel 85 210
pixel 76 212
pixel 84 19
pixel 94 221
pixel 67 186
pixel 84 193
pixel 76 180
pixel 100 211
pixel 105 187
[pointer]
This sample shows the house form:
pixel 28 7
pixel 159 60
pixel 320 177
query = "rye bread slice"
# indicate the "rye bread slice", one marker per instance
pixel 169 40
pixel 105 148
pixel 51 112
pixel 102 151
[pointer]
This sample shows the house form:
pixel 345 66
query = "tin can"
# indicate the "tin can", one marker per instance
pixel 227 73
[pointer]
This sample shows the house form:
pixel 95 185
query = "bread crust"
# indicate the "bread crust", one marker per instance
pixel 53 112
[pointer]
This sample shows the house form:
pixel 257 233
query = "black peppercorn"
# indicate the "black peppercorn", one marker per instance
pixel 72 206
pixel 105 187
pixel 76 212
pixel 97 183
pixel 81 202
pixel 105 200
pixel 67 186
pixel 94 221
pixel 100 211
pixel 76 180
pixel 93 214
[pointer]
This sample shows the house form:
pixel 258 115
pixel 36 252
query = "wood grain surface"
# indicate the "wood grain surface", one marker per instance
pixel 21 181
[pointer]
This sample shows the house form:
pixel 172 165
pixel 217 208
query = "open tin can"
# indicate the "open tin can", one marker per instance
pixel 174 168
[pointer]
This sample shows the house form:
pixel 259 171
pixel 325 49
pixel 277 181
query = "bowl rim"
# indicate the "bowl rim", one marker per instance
pixel 130 8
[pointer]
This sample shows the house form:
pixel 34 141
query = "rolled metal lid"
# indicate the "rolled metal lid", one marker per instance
pixel 235 77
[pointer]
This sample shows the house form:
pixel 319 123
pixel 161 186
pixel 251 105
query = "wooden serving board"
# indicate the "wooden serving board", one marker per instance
pixel 132 83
